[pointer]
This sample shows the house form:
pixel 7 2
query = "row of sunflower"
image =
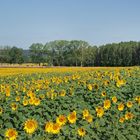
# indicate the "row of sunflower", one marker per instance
pixel 70 103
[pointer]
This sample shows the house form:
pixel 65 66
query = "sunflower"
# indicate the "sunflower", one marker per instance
pixel 11 134
pixel 121 120
pixel 81 132
pixel 61 120
pixel 107 104
pixel 103 93
pixel 89 118
pixel 137 99
pixel 129 116
pixel 129 104
pixel 48 127
pixel 100 111
pixel 37 101
pixel 63 93
pixel 85 113
pixel 25 102
pixel 14 106
pixel 120 83
pixel 56 128
pixel 89 86
pixel 17 98
pixel 121 107
pixel 31 101
pixel 72 117
pixel 106 82
pixel 30 126
pixel 7 91
pixel 114 99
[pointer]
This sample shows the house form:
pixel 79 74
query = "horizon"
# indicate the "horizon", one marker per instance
pixel 96 22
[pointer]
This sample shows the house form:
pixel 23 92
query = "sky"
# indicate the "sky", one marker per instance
pixel 23 22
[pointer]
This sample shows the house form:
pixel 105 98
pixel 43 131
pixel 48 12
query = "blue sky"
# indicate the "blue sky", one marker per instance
pixel 23 22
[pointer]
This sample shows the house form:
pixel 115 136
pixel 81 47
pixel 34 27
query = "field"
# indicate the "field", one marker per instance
pixel 70 103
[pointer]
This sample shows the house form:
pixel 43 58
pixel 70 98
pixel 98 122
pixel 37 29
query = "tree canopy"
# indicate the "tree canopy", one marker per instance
pixel 74 53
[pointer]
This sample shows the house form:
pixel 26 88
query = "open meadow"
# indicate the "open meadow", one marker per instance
pixel 69 103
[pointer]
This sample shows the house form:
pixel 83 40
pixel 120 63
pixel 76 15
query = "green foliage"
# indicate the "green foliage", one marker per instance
pixel 75 53
pixel 77 97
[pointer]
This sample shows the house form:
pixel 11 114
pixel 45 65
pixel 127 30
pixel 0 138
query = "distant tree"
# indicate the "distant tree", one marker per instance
pixel 4 54
pixel 16 55
pixel 37 53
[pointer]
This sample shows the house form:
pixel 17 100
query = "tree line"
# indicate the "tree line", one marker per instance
pixel 74 53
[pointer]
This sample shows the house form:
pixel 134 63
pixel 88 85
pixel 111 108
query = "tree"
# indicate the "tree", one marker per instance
pixel 37 53
pixel 16 55
pixel 4 54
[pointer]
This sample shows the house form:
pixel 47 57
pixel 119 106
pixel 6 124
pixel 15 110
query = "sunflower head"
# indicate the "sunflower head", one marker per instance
pixel 14 106
pixel 121 107
pixel 107 104
pixel 48 127
pixel 30 126
pixel 129 104
pixel 89 118
pixel 56 128
pixel 36 101
pixel 61 120
pixel 17 98
pixel 129 116
pixel 121 120
pixel 100 111
pixel 103 93
pixel 72 117
pixel 11 134
pixel 81 132
pixel 85 113
pixel 114 99
pixel 89 86
pixel 25 102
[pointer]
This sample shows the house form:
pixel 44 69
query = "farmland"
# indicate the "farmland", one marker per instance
pixel 70 103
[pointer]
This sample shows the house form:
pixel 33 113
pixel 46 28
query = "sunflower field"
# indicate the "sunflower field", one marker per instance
pixel 70 103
